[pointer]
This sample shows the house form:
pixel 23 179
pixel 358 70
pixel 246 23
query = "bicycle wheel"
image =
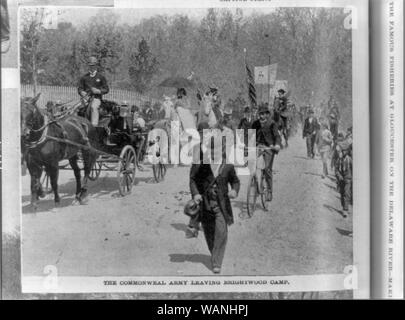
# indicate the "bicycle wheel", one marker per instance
pixel 264 188
pixel 252 194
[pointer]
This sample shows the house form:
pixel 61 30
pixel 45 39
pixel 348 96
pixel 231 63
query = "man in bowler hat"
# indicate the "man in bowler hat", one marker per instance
pixel 94 85
pixel 209 186
pixel 309 133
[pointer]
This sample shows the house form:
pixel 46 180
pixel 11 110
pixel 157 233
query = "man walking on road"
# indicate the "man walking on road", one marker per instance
pixel 324 142
pixel 209 187
pixel 343 171
pixel 310 131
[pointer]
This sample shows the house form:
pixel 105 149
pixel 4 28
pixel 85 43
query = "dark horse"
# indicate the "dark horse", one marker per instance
pixel 43 147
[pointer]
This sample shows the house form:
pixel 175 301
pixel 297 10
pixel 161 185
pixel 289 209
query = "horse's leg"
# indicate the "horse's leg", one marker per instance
pixel 54 175
pixel 35 182
pixel 89 159
pixel 76 171
pixel 35 173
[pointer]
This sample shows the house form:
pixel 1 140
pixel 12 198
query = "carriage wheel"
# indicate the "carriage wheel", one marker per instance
pixel 252 196
pixel 264 189
pixel 95 171
pixel 126 170
pixel 159 171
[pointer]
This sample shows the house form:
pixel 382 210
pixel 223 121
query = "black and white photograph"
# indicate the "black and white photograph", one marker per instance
pixel 217 147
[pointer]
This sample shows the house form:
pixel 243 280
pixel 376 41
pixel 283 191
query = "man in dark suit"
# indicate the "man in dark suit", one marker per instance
pixel 310 131
pixel 247 120
pixel 209 187
pixel 93 84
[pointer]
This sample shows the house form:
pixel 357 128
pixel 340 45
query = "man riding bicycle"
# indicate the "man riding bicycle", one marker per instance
pixel 268 141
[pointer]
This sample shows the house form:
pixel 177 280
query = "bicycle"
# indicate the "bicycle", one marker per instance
pixel 258 184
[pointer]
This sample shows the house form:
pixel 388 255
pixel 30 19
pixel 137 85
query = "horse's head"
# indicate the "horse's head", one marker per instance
pixel 207 103
pixel 31 115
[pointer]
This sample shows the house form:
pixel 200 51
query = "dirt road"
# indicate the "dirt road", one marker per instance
pixel 144 233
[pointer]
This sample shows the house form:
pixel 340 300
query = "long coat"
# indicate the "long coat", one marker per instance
pixel 310 128
pixel 201 176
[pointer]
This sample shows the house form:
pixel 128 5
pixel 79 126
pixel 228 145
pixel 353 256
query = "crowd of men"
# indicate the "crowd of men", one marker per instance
pixel 209 182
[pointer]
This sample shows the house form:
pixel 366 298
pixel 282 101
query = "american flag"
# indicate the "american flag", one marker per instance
pixel 251 86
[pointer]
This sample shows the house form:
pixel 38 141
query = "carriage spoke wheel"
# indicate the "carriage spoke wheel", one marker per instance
pixel 252 194
pixel 159 171
pixel 264 190
pixel 95 171
pixel 126 170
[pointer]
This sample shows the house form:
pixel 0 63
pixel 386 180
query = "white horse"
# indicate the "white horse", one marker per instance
pixel 207 115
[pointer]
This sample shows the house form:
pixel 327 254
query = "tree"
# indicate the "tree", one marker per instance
pixel 58 45
pixel 102 38
pixel 31 57
pixel 143 66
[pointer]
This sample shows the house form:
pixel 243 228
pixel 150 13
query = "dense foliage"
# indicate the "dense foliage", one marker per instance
pixel 310 45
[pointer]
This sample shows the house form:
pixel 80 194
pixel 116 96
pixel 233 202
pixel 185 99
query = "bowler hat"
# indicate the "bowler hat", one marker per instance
pixel 344 145
pixel 228 111
pixel 92 61
pixel 213 90
pixel 191 208
pixel 264 109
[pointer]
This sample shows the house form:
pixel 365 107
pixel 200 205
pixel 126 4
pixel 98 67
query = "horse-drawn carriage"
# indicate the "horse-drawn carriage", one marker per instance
pixel 68 141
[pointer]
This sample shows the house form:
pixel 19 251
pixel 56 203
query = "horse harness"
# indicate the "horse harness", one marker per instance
pixel 81 128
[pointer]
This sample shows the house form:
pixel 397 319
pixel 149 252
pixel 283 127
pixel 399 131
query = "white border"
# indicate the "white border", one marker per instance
pixel 361 219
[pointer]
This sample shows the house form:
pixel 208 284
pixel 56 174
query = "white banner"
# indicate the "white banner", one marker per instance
pixel 266 74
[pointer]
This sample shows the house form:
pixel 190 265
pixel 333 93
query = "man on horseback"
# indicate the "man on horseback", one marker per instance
pixel 217 106
pixel 92 86
pixel 182 100
pixel 280 106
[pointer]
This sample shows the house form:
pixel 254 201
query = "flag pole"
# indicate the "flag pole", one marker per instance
pixel 268 77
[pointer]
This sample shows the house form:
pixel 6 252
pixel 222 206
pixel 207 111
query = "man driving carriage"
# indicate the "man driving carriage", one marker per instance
pixel 92 86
